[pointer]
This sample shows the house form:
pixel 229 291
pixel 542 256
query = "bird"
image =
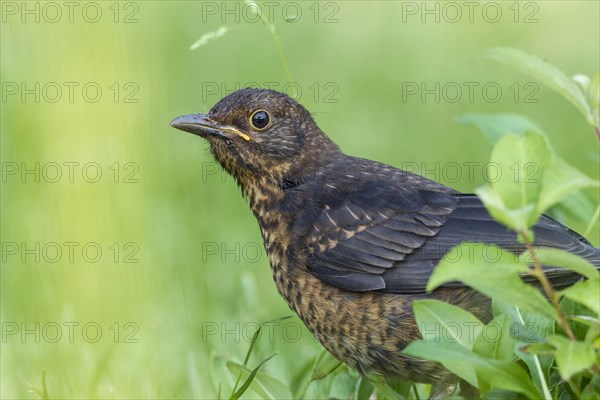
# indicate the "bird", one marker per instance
pixel 352 242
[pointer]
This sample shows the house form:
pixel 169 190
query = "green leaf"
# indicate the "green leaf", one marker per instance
pixel 492 271
pixel 539 366
pixel 581 317
pixel 453 356
pixel 586 293
pixel 593 97
pixel 403 388
pixel 383 391
pixel 263 385
pixel 530 178
pixel 592 390
pixel 592 335
pixel 591 89
pixel 495 340
pixel 520 162
pixel 515 219
pixel 544 72
pixel 424 391
pixel 560 180
pixel 301 378
pixel 561 258
pixel 494 126
pixel 538 348
pixel 249 378
pixel 585 320
pixel 473 368
pixel 571 356
pixel 341 385
pixel 576 207
pixel 446 322
pixel 528 327
pixel 363 389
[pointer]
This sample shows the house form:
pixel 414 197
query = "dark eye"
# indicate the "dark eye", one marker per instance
pixel 260 119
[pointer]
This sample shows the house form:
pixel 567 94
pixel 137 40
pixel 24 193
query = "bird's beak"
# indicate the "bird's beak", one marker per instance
pixel 202 125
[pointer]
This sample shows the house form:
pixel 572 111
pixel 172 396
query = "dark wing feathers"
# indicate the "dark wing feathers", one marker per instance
pixel 389 237
pixel 353 281
pixel 372 231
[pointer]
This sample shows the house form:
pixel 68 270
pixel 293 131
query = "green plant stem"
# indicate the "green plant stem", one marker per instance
pixel 305 385
pixel 44 387
pixel 286 68
pixel 536 360
pixel 239 377
pixel 538 272
pixel 307 382
pixel 414 388
pixel 594 217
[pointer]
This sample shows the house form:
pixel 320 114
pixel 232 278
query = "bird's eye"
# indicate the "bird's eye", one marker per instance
pixel 260 120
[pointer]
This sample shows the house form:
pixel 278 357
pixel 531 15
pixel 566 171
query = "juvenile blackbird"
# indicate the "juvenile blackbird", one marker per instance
pixel 352 242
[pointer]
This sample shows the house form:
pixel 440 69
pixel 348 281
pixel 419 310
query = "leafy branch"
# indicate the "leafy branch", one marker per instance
pixel 581 90
pixel 534 179
pixel 538 272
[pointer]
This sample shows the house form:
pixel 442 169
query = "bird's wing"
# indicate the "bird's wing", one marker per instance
pixel 390 237
pixel 471 222
pixel 358 235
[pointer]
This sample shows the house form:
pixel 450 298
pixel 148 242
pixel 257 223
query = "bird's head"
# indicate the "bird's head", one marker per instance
pixel 260 133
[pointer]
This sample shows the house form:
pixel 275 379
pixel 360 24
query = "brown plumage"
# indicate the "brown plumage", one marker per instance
pixel 352 242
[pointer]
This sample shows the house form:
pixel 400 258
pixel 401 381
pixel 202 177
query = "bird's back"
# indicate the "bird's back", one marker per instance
pixel 368 226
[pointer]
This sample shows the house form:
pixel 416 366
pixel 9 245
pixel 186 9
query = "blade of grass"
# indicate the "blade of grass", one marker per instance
pixel 248 381
pixel 593 222
pixel 239 377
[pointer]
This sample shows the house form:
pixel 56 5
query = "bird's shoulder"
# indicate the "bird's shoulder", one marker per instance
pixel 351 192
pixel 349 174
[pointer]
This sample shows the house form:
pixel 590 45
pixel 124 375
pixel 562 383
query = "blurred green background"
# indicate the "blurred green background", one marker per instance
pixel 181 275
